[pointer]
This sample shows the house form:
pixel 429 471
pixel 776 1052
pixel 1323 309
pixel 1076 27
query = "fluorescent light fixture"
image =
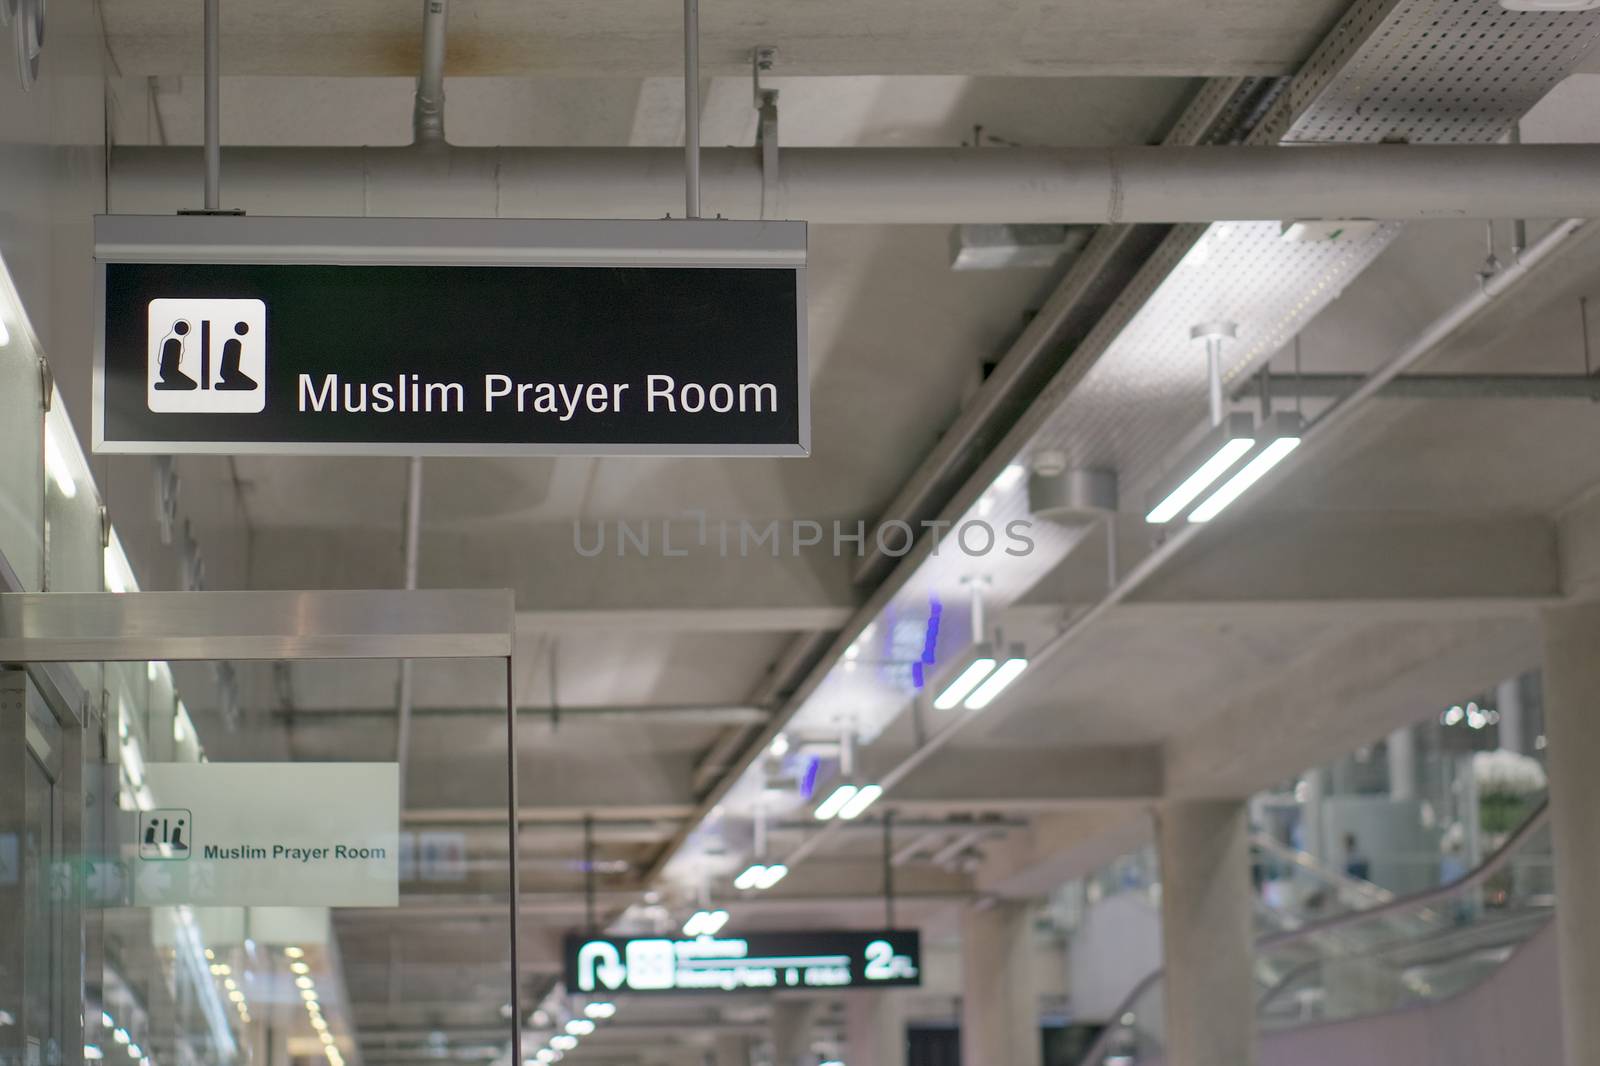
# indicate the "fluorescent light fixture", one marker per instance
pixel 299 968
pixel 1009 477
pixel 830 807
pixel 55 463
pixel 308 994
pixel 563 1042
pixel 600 1010
pixel 996 682
pixel 967 680
pixel 92 1051
pixel 705 923
pixel 774 873
pixel 1285 439
pixel 580 1027
pixel 294 952
pixel 305 982
pixel 780 746
pixel 1213 457
pixel 121 1035
pixel 107 1020
pixel 544 1054
pixel 751 877
pixel 865 797
pixel 118 572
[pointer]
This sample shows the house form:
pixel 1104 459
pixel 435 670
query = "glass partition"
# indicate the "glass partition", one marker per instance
pixel 217 951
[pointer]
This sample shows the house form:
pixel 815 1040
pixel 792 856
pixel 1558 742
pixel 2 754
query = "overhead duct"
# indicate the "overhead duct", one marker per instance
pixel 893 185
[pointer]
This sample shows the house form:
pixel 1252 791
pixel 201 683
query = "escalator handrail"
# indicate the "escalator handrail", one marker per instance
pixel 1337 878
pixel 1473 878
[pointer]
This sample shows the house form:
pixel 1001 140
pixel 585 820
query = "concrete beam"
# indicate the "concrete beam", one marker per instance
pixel 1060 847
pixel 1306 559
pixel 1353 691
pixel 639 592
pixel 1001 779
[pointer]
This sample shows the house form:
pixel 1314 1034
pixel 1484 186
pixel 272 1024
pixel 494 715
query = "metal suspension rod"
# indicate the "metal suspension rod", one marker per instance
pixel 427 113
pixel 888 869
pixel 404 699
pixel 591 926
pixel 213 107
pixel 691 108
pixel 513 832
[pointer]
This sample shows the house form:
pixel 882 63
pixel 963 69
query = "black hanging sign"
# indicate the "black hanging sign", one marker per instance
pixel 358 336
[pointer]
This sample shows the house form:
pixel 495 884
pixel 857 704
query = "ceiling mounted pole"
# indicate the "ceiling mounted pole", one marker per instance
pixel 514 863
pixel 691 108
pixel 213 108
pixel 406 692
pixel 1214 333
pixel 427 112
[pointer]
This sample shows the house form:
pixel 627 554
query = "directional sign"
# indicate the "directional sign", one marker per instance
pixel 379 336
pixel 760 961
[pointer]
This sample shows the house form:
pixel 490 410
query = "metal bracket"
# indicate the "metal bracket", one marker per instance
pixel 762 59
pixel 47 384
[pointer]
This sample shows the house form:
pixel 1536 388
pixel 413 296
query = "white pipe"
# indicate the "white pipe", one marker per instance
pixel 427 113
pixel 896 185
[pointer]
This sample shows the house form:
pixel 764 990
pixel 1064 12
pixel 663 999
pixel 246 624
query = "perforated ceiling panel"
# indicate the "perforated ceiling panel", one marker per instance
pixel 1439 72
pixel 1419 70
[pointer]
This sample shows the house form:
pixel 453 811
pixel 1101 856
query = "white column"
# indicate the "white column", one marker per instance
pixel 1402 749
pixel 1311 816
pixel 1206 934
pixel 791 1032
pixel 875 1028
pixel 1508 701
pixel 731 1049
pixel 1572 724
pixel 999 1002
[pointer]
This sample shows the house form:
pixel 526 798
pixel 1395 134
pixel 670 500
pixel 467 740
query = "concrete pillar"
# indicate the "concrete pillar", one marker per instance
pixel 1572 724
pixel 1402 751
pixel 1206 933
pixel 875 1028
pixel 1508 701
pixel 731 1049
pixel 1311 815
pixel 791 1032
pixel 999 1001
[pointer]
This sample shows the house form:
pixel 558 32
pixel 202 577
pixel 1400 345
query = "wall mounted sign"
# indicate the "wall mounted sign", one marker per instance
pixel 758 962
pixel 375 336
pixel 267 834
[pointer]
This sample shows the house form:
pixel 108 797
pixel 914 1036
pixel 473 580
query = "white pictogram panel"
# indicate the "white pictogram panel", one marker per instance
pixel 207 356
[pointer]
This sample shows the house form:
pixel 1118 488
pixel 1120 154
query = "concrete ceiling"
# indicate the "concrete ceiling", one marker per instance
pixel 835 37
pixel 1397 570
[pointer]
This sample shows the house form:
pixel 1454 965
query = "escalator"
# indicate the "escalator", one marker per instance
pixel 1375 953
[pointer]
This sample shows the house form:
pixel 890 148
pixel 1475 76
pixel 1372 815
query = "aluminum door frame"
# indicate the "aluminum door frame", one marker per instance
pixel 40 628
